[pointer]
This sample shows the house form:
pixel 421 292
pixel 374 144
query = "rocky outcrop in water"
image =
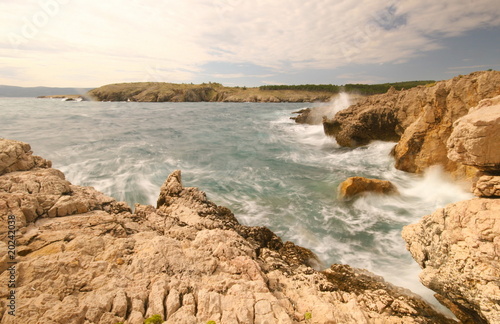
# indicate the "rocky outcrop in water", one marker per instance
pixel 419 119
pixel 355 186
pixel 82 257
pixel 458 246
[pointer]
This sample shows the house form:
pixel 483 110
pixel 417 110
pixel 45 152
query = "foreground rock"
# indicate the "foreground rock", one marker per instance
pixel 85 258
pixel 457 248
pixel 355 186
pixel 420 119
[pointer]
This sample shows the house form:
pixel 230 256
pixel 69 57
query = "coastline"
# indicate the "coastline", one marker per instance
pixel 186 260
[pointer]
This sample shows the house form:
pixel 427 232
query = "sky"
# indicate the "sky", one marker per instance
pixel 89 43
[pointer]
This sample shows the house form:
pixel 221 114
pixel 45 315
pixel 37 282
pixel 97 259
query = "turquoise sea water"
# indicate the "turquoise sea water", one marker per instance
pixel 249 157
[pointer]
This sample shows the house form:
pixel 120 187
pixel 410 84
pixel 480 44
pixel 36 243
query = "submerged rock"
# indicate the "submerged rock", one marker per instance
pixel 188 261
pixel 420 119
pixel 356 185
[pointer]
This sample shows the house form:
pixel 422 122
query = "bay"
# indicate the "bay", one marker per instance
pixel 249 157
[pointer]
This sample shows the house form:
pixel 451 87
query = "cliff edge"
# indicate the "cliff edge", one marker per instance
pixel 458 246
pixel 419 119
pixel 71 254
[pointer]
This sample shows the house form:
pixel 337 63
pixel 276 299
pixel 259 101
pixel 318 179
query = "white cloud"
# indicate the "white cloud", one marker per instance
pixel 86 43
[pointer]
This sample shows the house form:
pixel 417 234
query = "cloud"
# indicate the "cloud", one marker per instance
pixel 109 41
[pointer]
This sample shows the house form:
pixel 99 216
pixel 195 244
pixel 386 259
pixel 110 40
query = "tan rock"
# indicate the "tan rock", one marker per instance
pixel 457 248
pixel 420 119
pixel 475 138
pixel 356 185
pixel 17 156
pixel 487 186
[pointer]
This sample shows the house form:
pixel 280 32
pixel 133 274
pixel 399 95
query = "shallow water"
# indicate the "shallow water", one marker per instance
pixel 249 157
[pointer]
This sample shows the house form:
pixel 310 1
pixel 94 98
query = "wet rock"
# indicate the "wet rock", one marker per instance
pixel 357 185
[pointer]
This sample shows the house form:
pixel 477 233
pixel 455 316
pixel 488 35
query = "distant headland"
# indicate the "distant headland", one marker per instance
pixel 216 92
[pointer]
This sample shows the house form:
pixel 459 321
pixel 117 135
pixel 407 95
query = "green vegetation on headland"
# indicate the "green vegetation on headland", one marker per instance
pixel 162 92
pixel 363 89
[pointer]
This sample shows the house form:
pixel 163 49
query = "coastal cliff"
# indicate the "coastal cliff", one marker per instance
pixel 79 256
pixel 419 119
pixel 458 246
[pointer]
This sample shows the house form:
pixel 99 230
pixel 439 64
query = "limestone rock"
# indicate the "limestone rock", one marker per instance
pixel 17 156
pixel 475 139
pixel 487 186
pixel 420 119
pixel 457 248
pixel 356 185
pixel 188 260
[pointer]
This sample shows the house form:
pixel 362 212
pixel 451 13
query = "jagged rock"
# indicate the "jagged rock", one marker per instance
pixel 354 186
pixel 188 261
pixel 311 116
pixel 487 186
pixel 457 248
pixel 17 156
pixel 32 190
pixel 475 138
pixel 303 117
pixel 420 119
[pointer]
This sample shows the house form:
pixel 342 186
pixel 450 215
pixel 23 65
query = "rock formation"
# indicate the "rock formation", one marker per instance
pixel 458 246
pixel 354 186
pixel 312 116
pixel 475 139
pixel 82 257
pixel 420 119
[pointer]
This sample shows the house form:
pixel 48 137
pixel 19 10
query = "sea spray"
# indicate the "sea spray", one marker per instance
pixel 316 114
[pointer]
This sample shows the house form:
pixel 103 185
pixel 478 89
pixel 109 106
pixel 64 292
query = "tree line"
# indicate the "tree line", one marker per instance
pixel 365 89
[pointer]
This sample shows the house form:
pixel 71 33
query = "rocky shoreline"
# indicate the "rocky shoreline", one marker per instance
pixel 455 124
pixel 419 119
pixel 83 257
pixel 71 254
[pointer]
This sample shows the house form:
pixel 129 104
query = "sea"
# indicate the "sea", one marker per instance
pixel 249 157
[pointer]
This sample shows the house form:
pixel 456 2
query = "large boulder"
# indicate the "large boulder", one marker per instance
pixel 186 261
pixel 355 186
pixel 420 119
pixel 475 139
pixel 457 247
